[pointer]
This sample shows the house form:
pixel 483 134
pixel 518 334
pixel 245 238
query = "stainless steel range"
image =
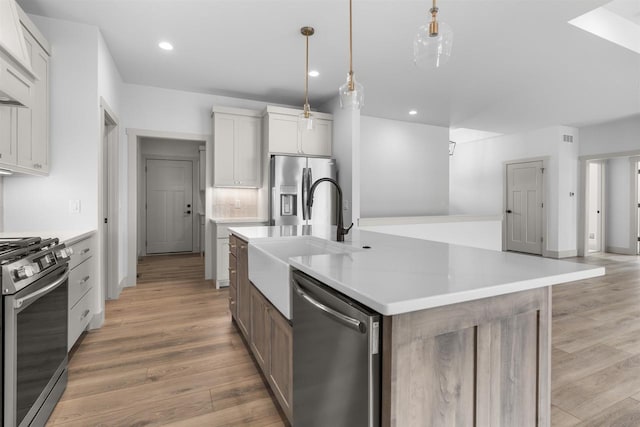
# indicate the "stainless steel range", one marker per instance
pixel 34 328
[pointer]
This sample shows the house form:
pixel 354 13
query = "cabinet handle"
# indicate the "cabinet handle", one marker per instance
pixel 232 271
pixel 243 246
pixel 84 280
pixel 84 251
pixel 231 246
pixel 85 314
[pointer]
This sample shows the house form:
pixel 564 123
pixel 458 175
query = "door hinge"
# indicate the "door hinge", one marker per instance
pixel 541 170
pixel 542 205
pixel 105 221
pixel 541 239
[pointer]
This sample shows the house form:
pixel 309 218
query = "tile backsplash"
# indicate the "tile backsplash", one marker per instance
pixel 235 203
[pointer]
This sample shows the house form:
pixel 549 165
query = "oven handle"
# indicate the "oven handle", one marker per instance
pixel 20 301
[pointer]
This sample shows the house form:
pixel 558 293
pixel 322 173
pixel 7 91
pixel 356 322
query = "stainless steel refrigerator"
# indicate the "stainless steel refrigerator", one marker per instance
pixel 290 180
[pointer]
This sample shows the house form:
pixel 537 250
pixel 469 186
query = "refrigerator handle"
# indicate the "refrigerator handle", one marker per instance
pixel 309 182
pixel 305 190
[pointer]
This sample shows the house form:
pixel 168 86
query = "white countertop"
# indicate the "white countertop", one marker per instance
pixel 400 274
pixel 238 220
pixel 66 236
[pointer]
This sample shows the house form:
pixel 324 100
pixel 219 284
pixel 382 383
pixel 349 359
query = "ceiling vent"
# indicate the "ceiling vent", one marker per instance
pixel 567 138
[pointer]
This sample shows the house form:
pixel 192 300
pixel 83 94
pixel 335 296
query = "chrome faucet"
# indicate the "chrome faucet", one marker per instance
pixel 340 230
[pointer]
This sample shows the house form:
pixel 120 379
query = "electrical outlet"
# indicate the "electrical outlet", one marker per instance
pixel 346 204
pixel 237 204
pixel 74 206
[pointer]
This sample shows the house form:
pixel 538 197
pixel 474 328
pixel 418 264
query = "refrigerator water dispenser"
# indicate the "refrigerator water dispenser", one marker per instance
pixel 288 204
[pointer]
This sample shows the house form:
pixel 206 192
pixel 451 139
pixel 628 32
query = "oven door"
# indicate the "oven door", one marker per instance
pixel 35 345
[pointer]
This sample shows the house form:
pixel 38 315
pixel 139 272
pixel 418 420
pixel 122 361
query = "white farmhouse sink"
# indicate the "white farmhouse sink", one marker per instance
pixel 269 265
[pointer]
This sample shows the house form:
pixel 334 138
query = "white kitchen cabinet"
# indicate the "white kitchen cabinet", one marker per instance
pixel 24 132
pixel 237 148
pixel 82 280
pixel 284 137
pixel 33 122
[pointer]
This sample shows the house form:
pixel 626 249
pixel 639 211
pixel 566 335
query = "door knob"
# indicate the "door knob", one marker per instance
pixel 188 206
pixel 509 211
pixel 598 211
pixel 188 212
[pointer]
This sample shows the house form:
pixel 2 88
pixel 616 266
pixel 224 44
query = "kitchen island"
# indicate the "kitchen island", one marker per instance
pixel 466 332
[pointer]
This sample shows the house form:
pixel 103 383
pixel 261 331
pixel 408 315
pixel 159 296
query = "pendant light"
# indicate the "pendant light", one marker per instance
pixel 432 45
pixel 351 93
pixel 306 123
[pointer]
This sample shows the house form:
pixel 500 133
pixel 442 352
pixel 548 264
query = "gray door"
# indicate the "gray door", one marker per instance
pixel 524 207
pixel 169 210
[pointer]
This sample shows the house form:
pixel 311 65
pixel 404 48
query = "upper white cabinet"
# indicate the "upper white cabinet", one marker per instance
pixel 237 141
pixel 33 123
pixel 24 131
pixel 284 137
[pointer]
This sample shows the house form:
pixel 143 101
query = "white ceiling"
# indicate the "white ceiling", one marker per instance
pixel 516 64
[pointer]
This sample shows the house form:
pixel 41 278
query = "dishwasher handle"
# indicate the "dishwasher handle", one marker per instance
pixel 342 318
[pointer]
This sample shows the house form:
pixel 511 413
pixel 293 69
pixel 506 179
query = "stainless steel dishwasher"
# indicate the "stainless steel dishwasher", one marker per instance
pixel 336 358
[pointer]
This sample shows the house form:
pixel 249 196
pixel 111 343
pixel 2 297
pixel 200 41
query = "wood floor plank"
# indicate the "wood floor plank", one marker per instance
pixel 560 418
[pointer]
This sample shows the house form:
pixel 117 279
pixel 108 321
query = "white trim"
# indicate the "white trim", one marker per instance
pixel 195 218
pixel 133 158
pixel 406 220
pixel 238 111
pixel 108 236
pixel 545 202
pixel 634 165
pixel 562 254
pixel 96 321
pixel 620 251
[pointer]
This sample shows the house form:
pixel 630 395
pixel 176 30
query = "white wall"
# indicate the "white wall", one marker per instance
pixel 404 168
pixel 42 203
pixel 618 191
pixel 477 179
pixel 613 137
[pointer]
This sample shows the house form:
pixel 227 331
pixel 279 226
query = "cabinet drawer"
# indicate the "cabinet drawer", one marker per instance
pixel 79 317
pixel 80 281
pixel 82 250
pixel 233 248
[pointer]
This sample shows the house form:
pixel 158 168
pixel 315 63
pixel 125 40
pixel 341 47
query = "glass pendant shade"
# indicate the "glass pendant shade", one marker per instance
pixel 306 122
pixel 432 50
pixel 351 94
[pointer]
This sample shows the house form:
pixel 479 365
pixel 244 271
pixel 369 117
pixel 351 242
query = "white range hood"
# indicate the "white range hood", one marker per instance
pixel 16 75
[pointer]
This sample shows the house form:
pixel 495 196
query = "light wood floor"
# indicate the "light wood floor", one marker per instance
pixel 168 354
pixel 596 347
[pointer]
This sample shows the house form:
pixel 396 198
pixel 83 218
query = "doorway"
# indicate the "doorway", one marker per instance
pixel 169 206
pixel 524 207
pixel 108 204
pixel 637 206
pixel 595 207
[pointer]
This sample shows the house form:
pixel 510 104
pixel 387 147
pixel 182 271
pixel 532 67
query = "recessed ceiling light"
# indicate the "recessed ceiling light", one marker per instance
pixel 413 112
pixel 314 73
pixel 165 46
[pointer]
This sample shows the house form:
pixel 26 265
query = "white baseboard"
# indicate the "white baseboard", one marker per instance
pixel 620 251
pixel 97 320
pixel 562 254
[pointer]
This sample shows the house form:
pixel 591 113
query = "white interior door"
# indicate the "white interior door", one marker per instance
pixel 524 207
pixel 594 203
pixel 169 206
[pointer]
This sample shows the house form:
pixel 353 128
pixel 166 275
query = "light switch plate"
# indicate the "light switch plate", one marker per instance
pixel 74 206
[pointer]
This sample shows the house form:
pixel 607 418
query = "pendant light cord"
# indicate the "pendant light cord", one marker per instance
pixel 351 37
pixel 306 77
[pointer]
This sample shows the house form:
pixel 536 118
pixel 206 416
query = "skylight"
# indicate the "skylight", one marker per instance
pixel 617 22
